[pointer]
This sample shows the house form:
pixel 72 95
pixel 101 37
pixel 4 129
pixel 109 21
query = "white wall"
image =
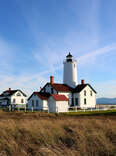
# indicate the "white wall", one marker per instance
pixel 45 105
pixel 42 104
pixel 18 98
pixel 70 73
pixel 57 106
pixel 90 100
pixel 62 106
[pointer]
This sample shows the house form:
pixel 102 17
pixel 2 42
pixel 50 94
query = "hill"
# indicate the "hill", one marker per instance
pixel 106 100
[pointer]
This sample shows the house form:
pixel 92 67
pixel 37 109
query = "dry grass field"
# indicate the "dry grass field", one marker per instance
pixel 40 134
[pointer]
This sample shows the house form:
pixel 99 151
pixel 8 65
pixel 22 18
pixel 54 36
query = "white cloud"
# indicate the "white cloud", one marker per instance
pixel 106 89
pixel 92 56
pixel 27 83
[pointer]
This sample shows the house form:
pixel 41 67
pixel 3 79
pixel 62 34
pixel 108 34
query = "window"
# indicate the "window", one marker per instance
pixel 14 100
pixel 91 93
pixel 72 102
pixel 22 100
pixel 18 94
pixel 52 92
pixel 85 102
pixel 36 103
pixel 32 103
pixel 84 92
pixel 76 101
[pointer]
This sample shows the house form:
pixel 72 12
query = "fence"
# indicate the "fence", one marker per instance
pixel 76 109
pixel 46 109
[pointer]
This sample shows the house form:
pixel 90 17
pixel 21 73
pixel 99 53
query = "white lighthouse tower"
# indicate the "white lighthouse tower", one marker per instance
pixel 70 71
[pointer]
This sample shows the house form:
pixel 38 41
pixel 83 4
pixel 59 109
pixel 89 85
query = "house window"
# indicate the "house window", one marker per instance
pixel 22 100
pixel 36 103
pixel 85 102
pixel 32 103
pixel 76 101
pixel 18 94
pixel 84 92
pixel 14 100
pixel 72 102
pixel 52 92
pixel 91 93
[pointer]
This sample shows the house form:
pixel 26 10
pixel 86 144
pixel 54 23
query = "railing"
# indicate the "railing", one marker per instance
pixel 65 60
pixel 70 109
pixel 76 109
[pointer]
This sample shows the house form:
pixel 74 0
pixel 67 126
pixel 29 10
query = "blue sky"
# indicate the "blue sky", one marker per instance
pixel 36 35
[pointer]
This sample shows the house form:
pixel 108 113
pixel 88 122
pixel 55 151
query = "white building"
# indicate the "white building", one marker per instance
pixel 38 101
pixel 84 96
pixel 79 95
pixel 58 103
pixel 70 71
pixel 58 88
pixel 15 98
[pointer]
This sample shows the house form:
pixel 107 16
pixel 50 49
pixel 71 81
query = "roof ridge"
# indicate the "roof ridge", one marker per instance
pixel 80 87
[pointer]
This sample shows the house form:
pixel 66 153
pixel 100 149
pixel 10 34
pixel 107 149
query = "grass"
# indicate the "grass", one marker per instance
pixel 100 112
pixel 42 134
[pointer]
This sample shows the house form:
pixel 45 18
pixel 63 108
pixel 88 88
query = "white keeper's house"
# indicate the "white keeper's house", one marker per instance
pixel 13 98
pixel 38 101
pixel 59 97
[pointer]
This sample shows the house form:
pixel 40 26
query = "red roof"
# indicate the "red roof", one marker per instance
pixel 43 96
pixel 60 87
pixel 58 97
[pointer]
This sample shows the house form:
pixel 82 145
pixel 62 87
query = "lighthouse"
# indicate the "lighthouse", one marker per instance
pixel 70 71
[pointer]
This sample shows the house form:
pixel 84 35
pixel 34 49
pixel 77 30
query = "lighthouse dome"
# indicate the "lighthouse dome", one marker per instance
pixel 69 57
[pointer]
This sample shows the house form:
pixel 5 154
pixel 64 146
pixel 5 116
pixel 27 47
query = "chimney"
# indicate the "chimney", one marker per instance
pixel 51 79
pixel 9 89
pixel 82 81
